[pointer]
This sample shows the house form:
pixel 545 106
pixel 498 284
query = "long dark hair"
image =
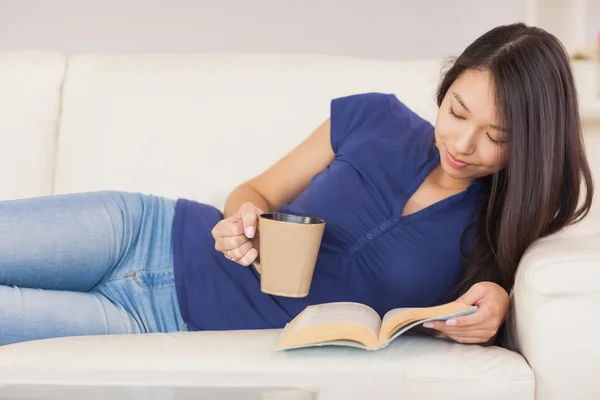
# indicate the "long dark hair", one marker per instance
pixel 538 192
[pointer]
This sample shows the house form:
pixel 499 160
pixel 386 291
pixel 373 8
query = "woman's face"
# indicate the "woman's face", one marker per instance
pixel 470 143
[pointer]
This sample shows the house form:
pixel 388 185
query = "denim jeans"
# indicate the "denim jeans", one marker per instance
pixel 86 264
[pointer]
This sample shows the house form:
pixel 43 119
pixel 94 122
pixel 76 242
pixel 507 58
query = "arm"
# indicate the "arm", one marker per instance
pixel 235 234
pixel 288 177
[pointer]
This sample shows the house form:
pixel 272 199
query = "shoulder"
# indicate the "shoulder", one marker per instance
pixel 363 100
pixel 350 111
pixel 369 105
pixel 363 116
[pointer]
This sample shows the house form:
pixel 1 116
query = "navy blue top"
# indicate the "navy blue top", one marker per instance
pixel 370 253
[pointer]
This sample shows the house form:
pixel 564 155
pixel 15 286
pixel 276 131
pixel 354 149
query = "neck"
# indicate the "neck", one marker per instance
pixel 446 182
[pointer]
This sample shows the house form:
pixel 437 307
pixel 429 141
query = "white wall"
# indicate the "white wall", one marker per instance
pixel 575 22
pixel 592 21
pixel 392 29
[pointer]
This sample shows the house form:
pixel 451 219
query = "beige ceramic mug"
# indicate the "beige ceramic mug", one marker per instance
pixel 288 250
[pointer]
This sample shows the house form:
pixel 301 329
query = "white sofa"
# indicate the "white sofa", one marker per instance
pixel 197 125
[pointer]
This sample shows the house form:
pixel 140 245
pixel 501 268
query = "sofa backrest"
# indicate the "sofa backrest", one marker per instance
pixel 196 126
pixel 30 93
pixel 184 125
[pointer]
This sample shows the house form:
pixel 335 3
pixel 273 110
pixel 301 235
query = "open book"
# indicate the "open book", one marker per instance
pixel 358 325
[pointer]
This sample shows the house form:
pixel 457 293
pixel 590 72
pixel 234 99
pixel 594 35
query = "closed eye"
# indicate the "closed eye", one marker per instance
pixel 496 141
pixel 455 115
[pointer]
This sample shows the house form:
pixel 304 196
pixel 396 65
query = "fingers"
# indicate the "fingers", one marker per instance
pixel 465 332
pixel 228 227
pixel 249 214
pixel 478 332
pixel 247 259
pixel 463 324
pixel 473 295
pixel 239 249
pixel 465 335
pixel 238 253
pixel 481 337
pixel 470 320
pixel 224 244
pixel 233 243
pixel 234 236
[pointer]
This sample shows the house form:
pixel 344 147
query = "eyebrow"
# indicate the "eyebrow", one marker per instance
pixel 462 103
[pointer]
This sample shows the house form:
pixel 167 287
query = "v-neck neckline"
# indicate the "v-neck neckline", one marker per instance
pixel 433 162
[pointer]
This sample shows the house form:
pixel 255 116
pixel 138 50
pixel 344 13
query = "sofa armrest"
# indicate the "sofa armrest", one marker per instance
pixel 553 320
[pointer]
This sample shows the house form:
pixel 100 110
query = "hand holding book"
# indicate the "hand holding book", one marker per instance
pixel 492 303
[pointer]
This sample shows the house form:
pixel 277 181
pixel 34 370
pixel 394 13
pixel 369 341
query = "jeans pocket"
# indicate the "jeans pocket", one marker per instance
pixel 163 279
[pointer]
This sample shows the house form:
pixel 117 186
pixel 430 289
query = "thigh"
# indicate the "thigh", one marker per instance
pixel 72 241
pixel 32 314
pixel 148 296
pixel 143 282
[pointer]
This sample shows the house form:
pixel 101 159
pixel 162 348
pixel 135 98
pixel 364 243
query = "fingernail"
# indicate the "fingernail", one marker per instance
pixel 451 322
pixel 428 324
pixel 250 231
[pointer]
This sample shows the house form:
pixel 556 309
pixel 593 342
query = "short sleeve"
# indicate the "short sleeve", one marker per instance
pixel 352 112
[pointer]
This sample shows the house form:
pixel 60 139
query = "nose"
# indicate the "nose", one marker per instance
pixel 465 142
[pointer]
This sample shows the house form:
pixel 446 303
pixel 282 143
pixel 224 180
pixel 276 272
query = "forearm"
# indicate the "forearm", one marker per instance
pixel 243 194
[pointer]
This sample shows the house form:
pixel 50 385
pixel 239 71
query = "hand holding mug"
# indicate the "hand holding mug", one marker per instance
pixel 237 236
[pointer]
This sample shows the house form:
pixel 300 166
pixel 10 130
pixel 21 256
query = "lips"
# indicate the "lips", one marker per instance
pixel 455 162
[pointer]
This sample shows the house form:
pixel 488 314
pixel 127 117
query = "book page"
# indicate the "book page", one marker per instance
pixel 392 314
pixel 395 320
pixel 340 312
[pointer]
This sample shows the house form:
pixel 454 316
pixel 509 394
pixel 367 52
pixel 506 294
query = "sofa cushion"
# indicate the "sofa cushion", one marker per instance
pixel 425 367
pixel 198 125
pixel 31 84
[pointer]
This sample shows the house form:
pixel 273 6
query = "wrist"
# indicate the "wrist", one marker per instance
pixel 244 194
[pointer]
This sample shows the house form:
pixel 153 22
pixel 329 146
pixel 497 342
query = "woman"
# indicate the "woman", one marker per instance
pixel 416 214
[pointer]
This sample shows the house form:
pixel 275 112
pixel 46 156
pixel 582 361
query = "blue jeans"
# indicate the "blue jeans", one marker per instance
pixel 86 264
